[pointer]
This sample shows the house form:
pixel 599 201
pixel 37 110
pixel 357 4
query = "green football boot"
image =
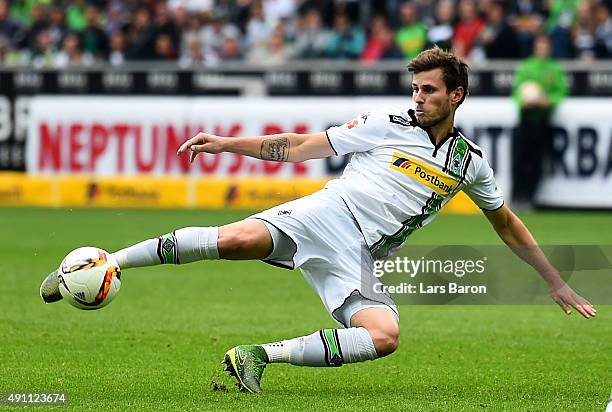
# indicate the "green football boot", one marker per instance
pixel 246 363
pixel 49 289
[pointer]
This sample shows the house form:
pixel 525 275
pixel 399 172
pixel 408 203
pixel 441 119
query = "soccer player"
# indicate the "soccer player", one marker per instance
pixel 406 165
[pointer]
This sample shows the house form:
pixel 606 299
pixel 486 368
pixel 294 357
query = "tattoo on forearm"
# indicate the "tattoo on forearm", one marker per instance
pixel 275 149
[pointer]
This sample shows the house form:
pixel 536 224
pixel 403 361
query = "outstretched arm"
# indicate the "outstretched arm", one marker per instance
pixel 284 147
pixel 516 235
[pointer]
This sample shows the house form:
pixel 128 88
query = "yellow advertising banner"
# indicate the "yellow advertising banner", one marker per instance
pixel 167 192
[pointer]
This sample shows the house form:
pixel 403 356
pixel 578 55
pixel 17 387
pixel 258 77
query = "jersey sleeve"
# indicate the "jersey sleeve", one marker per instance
pixel 483 190
pixel 358 135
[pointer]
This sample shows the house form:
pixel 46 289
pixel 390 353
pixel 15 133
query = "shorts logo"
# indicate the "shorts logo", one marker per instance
pixel 284 212
pixel 440 182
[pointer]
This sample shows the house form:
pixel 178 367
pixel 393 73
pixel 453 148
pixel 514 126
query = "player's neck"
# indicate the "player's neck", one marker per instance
pixel 443 128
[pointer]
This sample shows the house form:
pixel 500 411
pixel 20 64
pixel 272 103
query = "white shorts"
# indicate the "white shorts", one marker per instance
pixel 321 237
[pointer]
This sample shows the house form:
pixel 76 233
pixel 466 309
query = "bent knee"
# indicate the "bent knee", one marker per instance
pixel 386 341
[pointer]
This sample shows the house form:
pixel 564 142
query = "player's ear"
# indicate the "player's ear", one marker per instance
pixel 457 95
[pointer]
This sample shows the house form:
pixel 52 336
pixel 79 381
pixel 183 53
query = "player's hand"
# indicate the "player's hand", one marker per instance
pixel 202 143
pixel 568 299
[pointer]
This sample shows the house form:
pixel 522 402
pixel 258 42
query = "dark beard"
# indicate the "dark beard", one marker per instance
pixel 435 122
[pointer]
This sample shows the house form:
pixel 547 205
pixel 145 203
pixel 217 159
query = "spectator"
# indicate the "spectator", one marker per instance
pixel 21 10
pixel 57 27
pixel 192 6
pixel 192 55
pixel 235 11
pixel 141 35
pixel 115 19
pixel 189 56
pixel 117 48
pixel 231 50
pixel 482 7
pixel 381 43
pixel 44 53
pixel 344 42
pixel 214 34
pixel 192 26
pixel 389 9
pixel 467 29
pixel 498 38
pixel 276 10
pixel 311 37
pixel 38 25
pixel 164 48
pixel 180 17
pixel 505 29
pixel 164 25
pixel 94 40
pixel 539 86
pixel 4 50
pixel 274 51
pixel 72 53
pixel 75 16
pixel 10 29
pixel 527 18
pixel 603 32
pixel 257 29
pixel 412 36
pixel 583 33
pixel 426 10
pixel 441 33
pixel 562 15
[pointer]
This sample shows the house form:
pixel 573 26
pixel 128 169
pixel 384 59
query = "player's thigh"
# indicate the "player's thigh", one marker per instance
pixel 246 239
pixel 383 326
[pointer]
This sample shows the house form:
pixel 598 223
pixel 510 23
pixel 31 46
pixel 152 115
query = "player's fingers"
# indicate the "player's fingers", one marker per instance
pixel 188 144
pixel 192 156
pixel 565 307
pixel 589 309
pixel 581 310
pixel 184 147
pixel 589 304
pixel 198 148
pixel 586 306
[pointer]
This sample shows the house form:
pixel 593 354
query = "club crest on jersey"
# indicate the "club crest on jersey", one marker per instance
pixel 458 153
pixel 440 182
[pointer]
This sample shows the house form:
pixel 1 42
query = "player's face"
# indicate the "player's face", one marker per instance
pixel 433 101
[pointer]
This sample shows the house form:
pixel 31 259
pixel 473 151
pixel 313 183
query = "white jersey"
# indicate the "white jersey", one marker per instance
pixel 398 178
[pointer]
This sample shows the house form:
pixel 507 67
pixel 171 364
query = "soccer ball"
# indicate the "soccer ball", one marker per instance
pixel 531 92
pixel 89 278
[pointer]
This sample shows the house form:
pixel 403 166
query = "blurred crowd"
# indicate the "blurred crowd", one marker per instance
pixel 58 33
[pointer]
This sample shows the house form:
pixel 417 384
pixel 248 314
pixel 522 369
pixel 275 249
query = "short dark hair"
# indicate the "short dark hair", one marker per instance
pixel 454 70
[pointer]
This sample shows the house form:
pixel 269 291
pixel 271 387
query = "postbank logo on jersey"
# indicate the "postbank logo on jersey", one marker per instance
pixel 431 177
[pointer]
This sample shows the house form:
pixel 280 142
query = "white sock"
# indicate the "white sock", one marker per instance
pixel 327 347
pixel 181 246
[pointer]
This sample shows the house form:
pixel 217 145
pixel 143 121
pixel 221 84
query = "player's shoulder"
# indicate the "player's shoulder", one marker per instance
pixel 475 155
pixel 391 115
pixel 472 147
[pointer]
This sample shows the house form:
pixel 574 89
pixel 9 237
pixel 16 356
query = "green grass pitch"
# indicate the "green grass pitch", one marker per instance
pixel 158 346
